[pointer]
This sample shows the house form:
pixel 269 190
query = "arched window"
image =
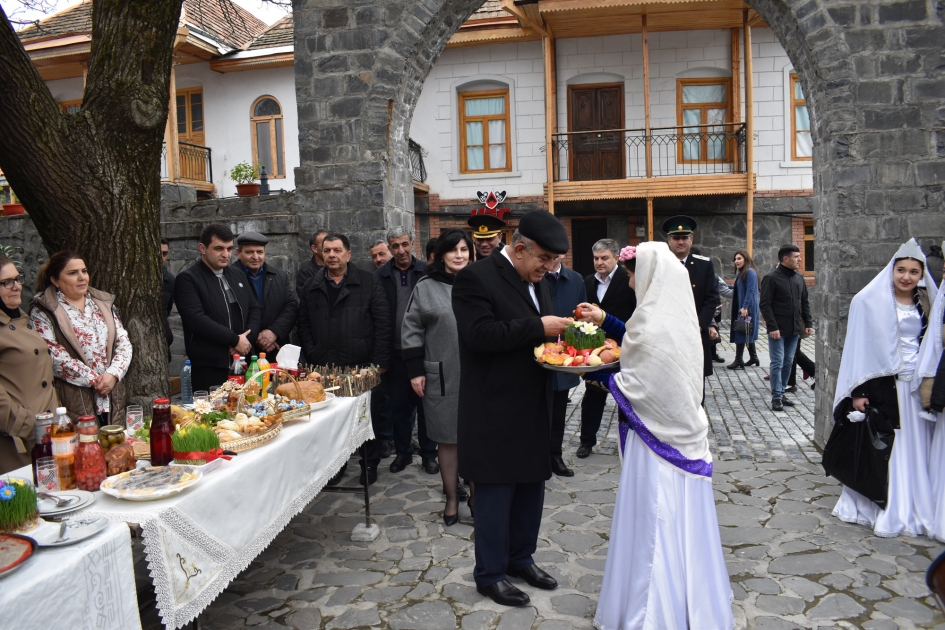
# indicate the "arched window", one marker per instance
pixel 268 146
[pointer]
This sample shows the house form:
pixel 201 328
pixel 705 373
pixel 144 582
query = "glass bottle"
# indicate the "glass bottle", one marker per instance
pixel 43 446
pixel 264 368
pixel 64 443
pixel 89 457
pixel 162 450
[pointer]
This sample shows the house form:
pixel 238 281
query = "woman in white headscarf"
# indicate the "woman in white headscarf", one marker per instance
pixel 664 565
pixel 932 367
pixel 887 321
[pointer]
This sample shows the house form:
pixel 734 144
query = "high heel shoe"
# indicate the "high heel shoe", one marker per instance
pixel 752 361
pixel 450 519
pixel 469 504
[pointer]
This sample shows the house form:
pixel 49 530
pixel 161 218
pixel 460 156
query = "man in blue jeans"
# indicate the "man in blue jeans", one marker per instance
pixel 786 311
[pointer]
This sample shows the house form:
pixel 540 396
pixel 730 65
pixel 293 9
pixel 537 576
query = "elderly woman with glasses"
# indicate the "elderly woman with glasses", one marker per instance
pixel 26 375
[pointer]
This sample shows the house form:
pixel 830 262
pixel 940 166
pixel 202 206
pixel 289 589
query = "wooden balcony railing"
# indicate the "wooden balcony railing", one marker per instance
pixel 196 165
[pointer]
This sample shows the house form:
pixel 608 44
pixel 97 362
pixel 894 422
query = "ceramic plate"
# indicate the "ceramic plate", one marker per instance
pixel 581 369
pixel 329 398
pixel 148 485
pixel 78 529
pixel 80 499
pixel 15 550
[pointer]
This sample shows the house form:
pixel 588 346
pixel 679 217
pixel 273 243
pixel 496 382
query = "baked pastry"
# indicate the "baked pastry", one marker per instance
pixel 312 391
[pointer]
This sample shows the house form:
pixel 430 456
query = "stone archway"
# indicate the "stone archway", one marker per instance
pixel 871 72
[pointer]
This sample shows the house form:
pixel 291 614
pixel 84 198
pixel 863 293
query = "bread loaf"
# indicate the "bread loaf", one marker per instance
pixel 312 391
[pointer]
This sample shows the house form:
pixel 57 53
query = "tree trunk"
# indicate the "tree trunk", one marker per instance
pixel 91 180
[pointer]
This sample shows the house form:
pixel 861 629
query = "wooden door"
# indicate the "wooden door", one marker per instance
pixel 596 156
pixel 584 233
pixel 190 131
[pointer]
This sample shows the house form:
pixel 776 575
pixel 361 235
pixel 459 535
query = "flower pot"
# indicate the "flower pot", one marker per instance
pixel 17 208
pixel 246 190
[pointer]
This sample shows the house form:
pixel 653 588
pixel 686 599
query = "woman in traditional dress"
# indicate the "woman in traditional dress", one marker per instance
pixel 887 321
pixel 664 565
pixel 745 303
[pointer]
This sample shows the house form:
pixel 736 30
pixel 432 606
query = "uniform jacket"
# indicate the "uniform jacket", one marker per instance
pixel 26 388
pixel 205 314
pixel 566 293
pixel 747 297
pixel 357 331
pixel 705 292
pixel 279 306
pixel 80 401
pixel 304 274
pixel 784 304
pixel 389 280
pixel 168 301
pixel 504 431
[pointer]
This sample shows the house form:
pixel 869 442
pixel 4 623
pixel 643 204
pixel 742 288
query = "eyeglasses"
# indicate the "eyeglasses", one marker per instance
pixel 8 284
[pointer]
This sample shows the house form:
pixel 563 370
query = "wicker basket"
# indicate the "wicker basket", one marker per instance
pixel 275 375
pixel 252 441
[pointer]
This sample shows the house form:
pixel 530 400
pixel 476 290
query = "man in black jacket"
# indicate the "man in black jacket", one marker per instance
pixel 786 312
pixel 610 289
pixel 344 320
pixel 306 271
pixel 398 277
pixel 271 286
pixel 218 309
pixel 168 294
pixel 503 310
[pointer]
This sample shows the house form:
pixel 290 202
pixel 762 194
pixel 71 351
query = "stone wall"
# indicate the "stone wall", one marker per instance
pixel 18 231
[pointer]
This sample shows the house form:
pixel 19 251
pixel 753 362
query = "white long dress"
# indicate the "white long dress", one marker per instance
pixel 910 506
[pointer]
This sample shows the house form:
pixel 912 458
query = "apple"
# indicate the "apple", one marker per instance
pixel 578 360
pixel 607 356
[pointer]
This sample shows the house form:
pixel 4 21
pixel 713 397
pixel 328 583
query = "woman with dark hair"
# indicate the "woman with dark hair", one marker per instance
pixel 26 374
pixel 887 321
pixel 89 346
pixel 430 344
pixel 745 304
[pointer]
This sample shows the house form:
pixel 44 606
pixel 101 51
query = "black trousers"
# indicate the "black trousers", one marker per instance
pixel 508 516
pixel 800 359
pixel 559 411
pixel 203 378
pixel 380 410
pixel 403 404
pixel 592 410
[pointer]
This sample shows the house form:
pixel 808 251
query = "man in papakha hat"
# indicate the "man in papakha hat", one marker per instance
pixel 503 310
pixel 486 233
pixel 704 283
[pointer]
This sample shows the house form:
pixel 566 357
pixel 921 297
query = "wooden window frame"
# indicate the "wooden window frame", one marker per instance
pixel 807 238
pixel 65 105
pixel 623 124
pixel 795 102
pixel 727 105
pixel 272 134
pixel 188 112
pixel 461 100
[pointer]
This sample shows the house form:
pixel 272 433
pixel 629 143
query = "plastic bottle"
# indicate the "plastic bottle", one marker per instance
pixel 64 443
pixel 186 384
pixel 252 371
pixel 263 367
pixel 237 370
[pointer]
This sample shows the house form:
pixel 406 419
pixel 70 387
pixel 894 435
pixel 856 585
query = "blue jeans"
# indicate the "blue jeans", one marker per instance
pixel 781 352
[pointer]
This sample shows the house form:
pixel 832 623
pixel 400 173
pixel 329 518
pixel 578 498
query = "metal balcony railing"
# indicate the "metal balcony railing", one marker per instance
pixel 195 162
pixel 666 152
pixel 418 169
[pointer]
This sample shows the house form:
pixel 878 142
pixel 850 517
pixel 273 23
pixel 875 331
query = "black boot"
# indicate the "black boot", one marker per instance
pixel 752 356
pixel 738 364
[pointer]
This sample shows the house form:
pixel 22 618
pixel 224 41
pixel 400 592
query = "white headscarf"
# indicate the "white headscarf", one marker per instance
pixel 661 354
pixel 872 347
pixel 931 351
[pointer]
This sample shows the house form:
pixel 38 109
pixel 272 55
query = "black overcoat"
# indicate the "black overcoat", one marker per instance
pixel 279 305
pixel 504 424
pixel 619 300
pixel 705 292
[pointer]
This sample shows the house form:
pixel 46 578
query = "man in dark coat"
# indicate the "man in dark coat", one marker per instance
pixel 503 311
pixel 218 309
pixel 702 276
pixel 567 291
pixel 306 271
pixel 271 286
pixel 168 294
pixel 610 289
pixel 398 277
pixel 344 320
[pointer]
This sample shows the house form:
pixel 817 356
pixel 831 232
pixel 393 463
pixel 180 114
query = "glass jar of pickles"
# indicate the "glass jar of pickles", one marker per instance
pixel 110 436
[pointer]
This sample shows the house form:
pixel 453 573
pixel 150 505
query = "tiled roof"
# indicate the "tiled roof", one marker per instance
pixel 489 9
pixel 279 34
pixel 222 20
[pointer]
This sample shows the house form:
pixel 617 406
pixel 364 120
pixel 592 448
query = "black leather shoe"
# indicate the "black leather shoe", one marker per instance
pixel 400 462
pixel 386 449
pixel 718 359
pixel 786 402
pixel 430 466
pixel 584 451
pixel 753 361
pixel 450 519
pixel 338 475
pixel 791 390
pixel 504 593
pixel 737 364
pixel 559 468
pixel 534 576
pixel 371 477
pixel 776 405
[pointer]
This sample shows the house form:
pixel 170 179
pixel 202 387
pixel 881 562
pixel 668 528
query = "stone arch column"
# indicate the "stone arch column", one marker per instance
pixel 872 72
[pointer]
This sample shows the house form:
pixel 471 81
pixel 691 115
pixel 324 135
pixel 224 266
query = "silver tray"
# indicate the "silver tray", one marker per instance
pixel 581 369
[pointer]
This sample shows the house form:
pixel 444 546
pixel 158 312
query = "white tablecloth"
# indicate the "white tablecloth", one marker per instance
pixel 198 541
pixel 90 584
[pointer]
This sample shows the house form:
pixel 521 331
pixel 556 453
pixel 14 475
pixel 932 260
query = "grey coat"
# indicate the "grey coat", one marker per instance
pixel 430 349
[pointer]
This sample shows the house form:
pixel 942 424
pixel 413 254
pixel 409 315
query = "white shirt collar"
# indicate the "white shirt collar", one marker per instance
pixel 531 287
pixel 609 276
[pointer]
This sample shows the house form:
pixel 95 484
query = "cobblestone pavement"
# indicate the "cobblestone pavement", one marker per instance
pixel 792 564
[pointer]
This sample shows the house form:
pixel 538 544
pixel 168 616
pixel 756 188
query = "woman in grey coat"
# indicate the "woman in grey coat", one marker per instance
pixel 431 352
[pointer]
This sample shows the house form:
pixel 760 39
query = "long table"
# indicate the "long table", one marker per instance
pixel 198 541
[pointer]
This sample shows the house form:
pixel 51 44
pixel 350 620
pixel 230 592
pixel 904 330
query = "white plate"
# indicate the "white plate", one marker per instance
pixel 79 529
pixel 329 398
pixel 205 468
pixel 581 369
pixel 82 498
pixel 159 493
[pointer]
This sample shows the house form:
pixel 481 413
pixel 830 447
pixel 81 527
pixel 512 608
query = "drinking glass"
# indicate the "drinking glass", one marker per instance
pixel 47 473
pixel 202 395
pixel 218 402
pixel 134 415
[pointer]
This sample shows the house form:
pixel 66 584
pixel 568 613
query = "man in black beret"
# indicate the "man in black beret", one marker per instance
pixel 503 310
pixel 272 289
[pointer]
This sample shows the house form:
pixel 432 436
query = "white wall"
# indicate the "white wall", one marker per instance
pixel 66 89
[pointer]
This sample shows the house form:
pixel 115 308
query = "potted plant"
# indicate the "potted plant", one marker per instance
pixel 14 207
pixel 245 177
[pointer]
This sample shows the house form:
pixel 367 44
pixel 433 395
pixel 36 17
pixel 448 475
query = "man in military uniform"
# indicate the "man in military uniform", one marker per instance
pixel 702 276
pixel 486 233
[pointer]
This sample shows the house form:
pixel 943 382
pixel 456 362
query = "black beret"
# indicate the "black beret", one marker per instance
pixel 546 230
pixel 680 224
pixel 254 238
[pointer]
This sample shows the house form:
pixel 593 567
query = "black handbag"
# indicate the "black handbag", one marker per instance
pixel 742 325
pixel 857 453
